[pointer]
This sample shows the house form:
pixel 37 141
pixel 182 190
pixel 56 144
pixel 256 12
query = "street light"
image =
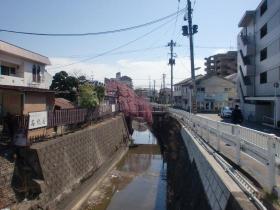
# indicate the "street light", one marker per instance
pixel 276 86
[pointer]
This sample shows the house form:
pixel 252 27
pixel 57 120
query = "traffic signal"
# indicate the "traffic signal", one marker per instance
pixel 195 29
pixel 171 61
pixel 185 30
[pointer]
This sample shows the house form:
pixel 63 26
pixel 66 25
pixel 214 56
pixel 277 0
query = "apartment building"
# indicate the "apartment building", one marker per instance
pixel 124 79
pixel 259 63
pixel 223 64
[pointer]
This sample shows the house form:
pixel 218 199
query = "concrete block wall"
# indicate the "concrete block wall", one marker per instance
pixel 222 192
pixel 67 160
pixel 7 195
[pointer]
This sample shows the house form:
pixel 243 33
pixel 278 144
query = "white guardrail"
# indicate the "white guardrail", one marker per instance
pixel 261 147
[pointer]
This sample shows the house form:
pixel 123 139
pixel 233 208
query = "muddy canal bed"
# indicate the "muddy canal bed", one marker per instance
pixel 138 182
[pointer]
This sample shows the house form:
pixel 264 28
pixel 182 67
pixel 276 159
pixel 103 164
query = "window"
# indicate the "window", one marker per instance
pixel 36 73
pixel 8 70
pixel 5 70
pixel 13 70
pixel 227 89
pixel 263 54
pixel 263 78
pixel 263 31
pixel 202 89
pixel 263 8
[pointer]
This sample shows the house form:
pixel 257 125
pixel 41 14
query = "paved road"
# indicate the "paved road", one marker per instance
pixel 251 125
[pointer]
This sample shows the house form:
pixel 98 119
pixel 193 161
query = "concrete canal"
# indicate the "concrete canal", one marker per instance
pixel 138 182
pixel 145 178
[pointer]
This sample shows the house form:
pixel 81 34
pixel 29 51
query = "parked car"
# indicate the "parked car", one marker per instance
pixel 226 112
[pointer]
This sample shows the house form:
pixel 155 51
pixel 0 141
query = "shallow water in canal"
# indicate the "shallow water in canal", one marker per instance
pixel 138 182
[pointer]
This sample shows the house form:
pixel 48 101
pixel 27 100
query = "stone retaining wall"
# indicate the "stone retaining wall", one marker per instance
pixel 54 168
pixel 66 161
pixel 7 195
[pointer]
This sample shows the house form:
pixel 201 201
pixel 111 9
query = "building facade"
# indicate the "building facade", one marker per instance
pixel 124 79
pixel 181 94
pixel 213 92
pixel 259 63
pixel 24 82
pixel 223 64
pixel 165 96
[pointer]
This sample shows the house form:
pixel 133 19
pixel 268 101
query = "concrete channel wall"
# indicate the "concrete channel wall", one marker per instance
pixel 221 191
pixel 68 160
pixel 59 166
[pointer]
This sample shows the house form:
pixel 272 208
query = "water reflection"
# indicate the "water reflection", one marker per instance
pixel 139 182
pixel 142 135
pixel 147 189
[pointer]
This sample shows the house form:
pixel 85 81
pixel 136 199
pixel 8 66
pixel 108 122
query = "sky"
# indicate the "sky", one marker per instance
pixel 145 59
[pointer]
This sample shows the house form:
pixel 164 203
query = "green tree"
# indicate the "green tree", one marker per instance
pixel 100 92
pixel 65 86
pixel 88 96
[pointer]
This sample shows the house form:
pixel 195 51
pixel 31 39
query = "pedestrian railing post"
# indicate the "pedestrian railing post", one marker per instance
pixel 271 143
pixel 201 129
pixel 236 134
pixel 208 131
pixel 218 136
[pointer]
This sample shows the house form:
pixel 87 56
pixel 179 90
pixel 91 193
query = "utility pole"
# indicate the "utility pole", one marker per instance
pixel 154 90
pixel 189 31
pixel 163 89
pixel 163 81
pixel 171 62
pixel 149 92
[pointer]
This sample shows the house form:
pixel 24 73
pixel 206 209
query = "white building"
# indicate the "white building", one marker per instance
pixel 24 81
pixel 21 67
pixel 259 62
pixel 213 92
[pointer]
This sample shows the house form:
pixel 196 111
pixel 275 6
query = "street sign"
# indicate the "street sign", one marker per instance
pixel 38 120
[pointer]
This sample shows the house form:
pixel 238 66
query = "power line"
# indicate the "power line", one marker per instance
pixel 175 25
pixel 148 49
pixel 94 33
pixel 119 52
pixel 209 47
pixel 116 48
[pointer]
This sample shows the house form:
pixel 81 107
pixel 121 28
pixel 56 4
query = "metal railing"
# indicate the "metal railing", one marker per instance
pixel 268 120
pixel 66 117
pixel 261 147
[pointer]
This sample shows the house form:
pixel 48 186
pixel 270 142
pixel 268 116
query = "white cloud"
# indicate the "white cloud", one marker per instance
pixel 219 51
pixel 139 70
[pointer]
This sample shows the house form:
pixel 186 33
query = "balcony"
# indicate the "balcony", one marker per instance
pixel 245 45
pixel 247 68
pixel 11 80
pixel 246 86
